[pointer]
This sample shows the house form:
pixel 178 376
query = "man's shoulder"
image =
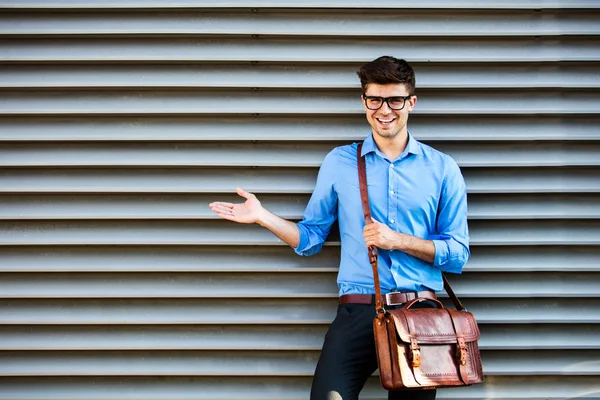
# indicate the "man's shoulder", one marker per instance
pixel 441 162
pixel 436 156
pixel 343 153
pixel 347 150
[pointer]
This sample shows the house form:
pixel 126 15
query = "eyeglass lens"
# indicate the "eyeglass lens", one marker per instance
pixel 374 103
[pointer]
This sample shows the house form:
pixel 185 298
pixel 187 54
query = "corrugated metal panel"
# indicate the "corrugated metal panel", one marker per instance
pixel 317 76
pixel 57 258
pixel 262 337
pixel 299 4
pixel 459 128
pixel 401 23
pixel 195 206
pixel 117 282
pixel 282 387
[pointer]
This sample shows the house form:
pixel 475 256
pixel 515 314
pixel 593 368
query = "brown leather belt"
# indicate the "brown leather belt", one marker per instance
pixel 389 299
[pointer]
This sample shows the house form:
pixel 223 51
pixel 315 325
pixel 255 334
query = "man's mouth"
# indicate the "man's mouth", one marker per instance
pixel 385 121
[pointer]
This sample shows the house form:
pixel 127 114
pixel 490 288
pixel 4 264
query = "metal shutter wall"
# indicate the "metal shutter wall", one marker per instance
pixel 121 120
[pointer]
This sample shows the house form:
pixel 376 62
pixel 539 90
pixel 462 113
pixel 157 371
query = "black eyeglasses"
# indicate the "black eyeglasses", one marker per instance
pixel 395 103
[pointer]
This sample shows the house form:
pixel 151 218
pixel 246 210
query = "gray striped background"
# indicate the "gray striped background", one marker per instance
pixel 121 120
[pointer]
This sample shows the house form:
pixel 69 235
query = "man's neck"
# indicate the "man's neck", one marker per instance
pixel 392 147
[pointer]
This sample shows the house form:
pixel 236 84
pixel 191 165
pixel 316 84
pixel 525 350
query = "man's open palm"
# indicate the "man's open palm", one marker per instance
pixel 245 213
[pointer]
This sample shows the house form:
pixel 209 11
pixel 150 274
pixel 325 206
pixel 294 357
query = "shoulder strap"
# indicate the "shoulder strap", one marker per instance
pixel 364 194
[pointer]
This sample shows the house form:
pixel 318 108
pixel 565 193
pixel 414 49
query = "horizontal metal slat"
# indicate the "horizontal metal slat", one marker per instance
pixel 161 363
pixel 211 154
pixel 298 50
pixel 142 206
pixel 266 337
pixel 169 285
pixel 268 259
pixel 270 180
pixel 501 180
pixel 261 363
pixel 525 284
pixel 390 22
pixel 195 206
pixel 319 76
pixel 515 232
pixel 539 337
pixel 540 258
pixel 532 206
pixel 288 102
pixel 178 337
pixel 303 4
pixel 168 258
pixel 267 311
pixel 258 285
pixel 275 388
pixel 272 285
pixel 307 128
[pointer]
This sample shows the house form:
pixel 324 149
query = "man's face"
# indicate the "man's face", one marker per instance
pixel 386 122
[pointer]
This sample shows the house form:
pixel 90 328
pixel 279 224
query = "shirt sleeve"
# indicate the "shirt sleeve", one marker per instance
pixel 452 238
pixel 321 211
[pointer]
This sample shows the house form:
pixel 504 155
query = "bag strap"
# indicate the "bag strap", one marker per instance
pixel 364 195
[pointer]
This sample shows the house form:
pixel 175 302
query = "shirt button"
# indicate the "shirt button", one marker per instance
pixel 391 192
pixel 391 165
pixel 392 221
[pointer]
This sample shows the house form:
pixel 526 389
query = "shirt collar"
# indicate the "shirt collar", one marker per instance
pixel 413 146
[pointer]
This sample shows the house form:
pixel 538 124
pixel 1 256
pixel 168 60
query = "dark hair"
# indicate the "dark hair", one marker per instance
pixel 385 70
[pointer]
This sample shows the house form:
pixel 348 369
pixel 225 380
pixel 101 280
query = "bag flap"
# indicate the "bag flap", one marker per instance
pixel 433 325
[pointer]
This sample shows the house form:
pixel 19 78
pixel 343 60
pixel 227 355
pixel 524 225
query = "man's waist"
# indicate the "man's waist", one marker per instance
pixel 392 298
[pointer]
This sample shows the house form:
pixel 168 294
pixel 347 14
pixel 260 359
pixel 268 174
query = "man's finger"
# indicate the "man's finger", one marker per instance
pixel 222 203
pixel 243 193
pixel 370 226
pixel 221 208
pixel 226 216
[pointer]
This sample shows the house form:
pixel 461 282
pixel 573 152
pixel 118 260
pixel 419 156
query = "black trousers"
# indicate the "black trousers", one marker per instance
pixel 348 358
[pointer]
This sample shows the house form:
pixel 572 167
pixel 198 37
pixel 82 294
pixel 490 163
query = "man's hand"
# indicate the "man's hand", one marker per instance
pixel 253 212
pixel 381 235
pixel 246 213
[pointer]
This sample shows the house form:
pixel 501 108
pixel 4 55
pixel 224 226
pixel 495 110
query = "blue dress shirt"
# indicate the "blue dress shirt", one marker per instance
pixel 422 193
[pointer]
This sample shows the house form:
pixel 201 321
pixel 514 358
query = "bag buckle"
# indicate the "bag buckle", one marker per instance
pixel 415 353
pixel 416 358
pixel 461 352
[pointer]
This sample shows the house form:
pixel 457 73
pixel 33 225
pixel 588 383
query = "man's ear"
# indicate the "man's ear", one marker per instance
pixel 412 102
pixel 362 101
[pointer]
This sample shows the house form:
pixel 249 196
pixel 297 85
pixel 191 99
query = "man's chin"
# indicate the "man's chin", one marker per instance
pixel 386 133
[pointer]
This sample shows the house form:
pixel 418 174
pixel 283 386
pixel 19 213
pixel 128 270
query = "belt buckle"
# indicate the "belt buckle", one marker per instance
pixel 388 298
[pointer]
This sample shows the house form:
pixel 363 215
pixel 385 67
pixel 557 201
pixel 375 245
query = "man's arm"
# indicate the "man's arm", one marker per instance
pixel 448 249
pixel 306 237
pixel 252 212
pixel 282 228
pixel 382 236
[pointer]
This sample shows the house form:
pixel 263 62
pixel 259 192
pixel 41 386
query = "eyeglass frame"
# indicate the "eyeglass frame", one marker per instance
pixel 386 101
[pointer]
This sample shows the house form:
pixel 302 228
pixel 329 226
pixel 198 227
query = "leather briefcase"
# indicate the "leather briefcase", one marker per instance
pixel 427 347
pixel 422 348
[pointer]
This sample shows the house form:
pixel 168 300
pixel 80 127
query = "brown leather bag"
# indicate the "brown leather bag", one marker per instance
pixel 421 348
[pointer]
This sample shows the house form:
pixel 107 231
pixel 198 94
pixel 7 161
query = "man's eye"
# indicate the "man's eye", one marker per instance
pixel 396 100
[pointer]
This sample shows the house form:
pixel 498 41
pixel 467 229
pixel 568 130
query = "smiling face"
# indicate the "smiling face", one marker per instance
pixel 385 122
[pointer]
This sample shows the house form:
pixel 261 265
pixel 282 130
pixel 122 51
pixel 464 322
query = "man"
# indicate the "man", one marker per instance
pixel 418 202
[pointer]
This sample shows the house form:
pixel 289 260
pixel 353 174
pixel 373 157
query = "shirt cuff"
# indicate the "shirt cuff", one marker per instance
pixel 442 253
pixel 443 257
pixel 303 243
